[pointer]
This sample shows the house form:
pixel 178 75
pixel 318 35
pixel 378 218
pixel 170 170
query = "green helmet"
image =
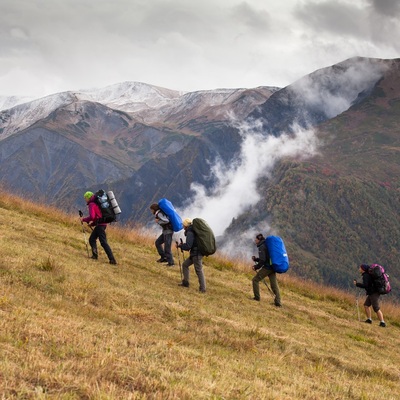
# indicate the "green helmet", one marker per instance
pixel 88 195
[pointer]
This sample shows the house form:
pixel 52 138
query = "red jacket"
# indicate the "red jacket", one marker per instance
pixel 94 212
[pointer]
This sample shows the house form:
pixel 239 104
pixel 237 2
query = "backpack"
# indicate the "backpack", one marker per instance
pixel 278 257
pixel 380 279
pixel 168 209
pixel 107 210
pixel 205 237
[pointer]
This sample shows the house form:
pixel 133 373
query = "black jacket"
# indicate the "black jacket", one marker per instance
pixel 263 256
pixel 367 283
pixel 191 242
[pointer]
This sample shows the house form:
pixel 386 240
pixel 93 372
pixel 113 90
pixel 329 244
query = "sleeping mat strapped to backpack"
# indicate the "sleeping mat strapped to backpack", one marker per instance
pixel 279 259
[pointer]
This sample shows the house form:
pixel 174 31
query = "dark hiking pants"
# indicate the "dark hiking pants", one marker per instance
pixel 198 267
pixel 163 246
pixel 262 274
pixel 99 232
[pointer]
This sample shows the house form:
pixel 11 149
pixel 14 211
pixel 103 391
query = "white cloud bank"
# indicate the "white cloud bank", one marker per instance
pixel 59 45
pixel 236 190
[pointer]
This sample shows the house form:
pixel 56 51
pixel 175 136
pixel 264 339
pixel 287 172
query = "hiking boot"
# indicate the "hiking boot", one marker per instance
pixel 368 321
pixel 184 284
pixel 278 304
pixel 202 290
pixel 256 298
pixel 113 262
pixel 95 254
pixel 382 324
pixel 162 260
pixel 170 264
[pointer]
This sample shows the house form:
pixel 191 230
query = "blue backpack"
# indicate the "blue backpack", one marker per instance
pixel 279 259
pixel 168 209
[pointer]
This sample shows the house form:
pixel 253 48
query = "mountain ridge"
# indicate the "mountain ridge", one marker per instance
pixel 133 98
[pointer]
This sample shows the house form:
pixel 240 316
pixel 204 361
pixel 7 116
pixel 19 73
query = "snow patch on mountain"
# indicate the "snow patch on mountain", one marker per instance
pixel 7 102
pixel 131 96
pixel 24 115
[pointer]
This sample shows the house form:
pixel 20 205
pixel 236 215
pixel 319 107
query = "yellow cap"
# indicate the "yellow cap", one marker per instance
pixel 187 222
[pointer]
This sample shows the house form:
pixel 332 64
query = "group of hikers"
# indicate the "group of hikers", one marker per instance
pixel 163 245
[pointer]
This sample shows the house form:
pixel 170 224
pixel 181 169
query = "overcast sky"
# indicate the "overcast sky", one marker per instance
pixel 49 46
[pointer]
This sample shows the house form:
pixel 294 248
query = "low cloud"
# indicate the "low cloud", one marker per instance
pixel 236 189
pixel 333 90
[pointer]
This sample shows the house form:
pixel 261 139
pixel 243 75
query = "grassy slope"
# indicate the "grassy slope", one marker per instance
pixel 71 328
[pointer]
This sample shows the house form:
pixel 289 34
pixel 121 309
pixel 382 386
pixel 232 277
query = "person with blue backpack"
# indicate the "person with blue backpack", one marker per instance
pixel 264 269
pixel 164 242
pixel 372 299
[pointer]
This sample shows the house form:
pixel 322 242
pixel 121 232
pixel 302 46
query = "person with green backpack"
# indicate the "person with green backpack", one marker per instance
pixel 195 256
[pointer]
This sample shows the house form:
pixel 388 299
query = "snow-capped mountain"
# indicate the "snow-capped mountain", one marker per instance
pixel 146 103
pixel 24 115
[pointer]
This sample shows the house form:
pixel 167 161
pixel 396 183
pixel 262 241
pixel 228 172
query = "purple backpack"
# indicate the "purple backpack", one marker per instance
pixel 380 278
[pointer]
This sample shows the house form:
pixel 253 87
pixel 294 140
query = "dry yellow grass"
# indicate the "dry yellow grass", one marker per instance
pixel 72 328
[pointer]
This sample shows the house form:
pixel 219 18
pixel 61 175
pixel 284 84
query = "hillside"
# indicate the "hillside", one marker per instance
pixel 72 328
pixel 341 207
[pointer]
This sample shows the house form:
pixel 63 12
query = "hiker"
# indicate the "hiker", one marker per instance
pixel 99 231
pixel 195 257
pixel 372 298
pixel 264 269
pixel 164 241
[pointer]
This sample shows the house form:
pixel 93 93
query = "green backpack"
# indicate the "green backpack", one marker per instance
pixel 205 237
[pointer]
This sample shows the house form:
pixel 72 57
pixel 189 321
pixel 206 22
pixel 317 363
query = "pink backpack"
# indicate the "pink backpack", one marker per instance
pixel 380 278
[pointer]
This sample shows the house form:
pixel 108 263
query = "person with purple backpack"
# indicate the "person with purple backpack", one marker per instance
pixel 373 295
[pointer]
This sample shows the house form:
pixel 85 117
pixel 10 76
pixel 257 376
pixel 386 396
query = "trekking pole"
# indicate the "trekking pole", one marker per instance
pixel 270 290
pixel 179 259
pixel 84 232
pixel 183 254
pixel 358 308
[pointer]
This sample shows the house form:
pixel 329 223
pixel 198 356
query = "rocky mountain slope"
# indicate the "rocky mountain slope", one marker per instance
pixel 116 131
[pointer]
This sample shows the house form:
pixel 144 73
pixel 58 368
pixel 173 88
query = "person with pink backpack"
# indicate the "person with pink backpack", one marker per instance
pixel 372 299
